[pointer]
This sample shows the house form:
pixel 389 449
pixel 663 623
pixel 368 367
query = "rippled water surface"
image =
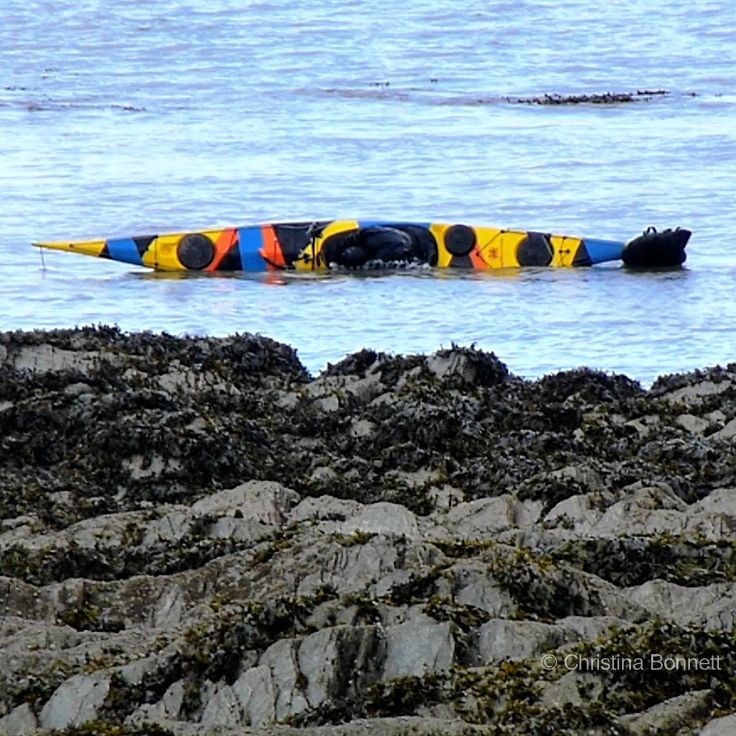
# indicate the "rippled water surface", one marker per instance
pixel 125 118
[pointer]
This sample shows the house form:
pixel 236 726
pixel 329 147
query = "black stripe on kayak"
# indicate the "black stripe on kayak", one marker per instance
pixel 294 237
pixel 581 257
pixel 142 242
pixel 232 261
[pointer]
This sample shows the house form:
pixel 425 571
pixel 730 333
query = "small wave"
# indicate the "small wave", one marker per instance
pixel 59 106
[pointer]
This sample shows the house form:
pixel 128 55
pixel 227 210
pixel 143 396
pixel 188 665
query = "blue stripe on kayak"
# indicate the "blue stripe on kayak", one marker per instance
pixel 391 223
pixel 603 250
pixel 251 241
pixel 124 249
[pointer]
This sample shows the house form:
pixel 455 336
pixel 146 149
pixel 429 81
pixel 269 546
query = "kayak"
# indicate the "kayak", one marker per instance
pixel 356 244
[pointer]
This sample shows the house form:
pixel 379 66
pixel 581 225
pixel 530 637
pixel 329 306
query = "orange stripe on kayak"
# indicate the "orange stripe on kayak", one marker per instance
pixel 223 245
pixel 477 260
pixel 271 249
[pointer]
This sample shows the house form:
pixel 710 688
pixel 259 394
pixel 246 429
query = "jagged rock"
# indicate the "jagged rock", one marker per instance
pixel 21 721
pixel 382 518
pixel 589 628
pixel 576 512
pixel 721 501
pixel 474 587
pixel 574 688
pixel 414 650
pixel 712 606
pixel 75 702
pixel 156 565
pixel 256 696
pixel 585 476
pixel 264 501
pixel 324 508
pixel 670 714
pixel 648 512
pixel 485 517
pixel 727 433
pixel 45 358
pixel 724 726
pixel 282 662
pixel 500 639
pixel 696 425
pixel 166 709
pixel 373 566
pixel 694 393
pixel 221 706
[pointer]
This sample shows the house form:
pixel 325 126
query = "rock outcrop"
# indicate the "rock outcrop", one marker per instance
pixel 196 537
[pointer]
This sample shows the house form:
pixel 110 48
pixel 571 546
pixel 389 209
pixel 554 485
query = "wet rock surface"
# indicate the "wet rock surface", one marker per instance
pixel 198 537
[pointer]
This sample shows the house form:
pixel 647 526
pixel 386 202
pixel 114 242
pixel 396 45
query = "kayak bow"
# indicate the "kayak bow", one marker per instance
pixel 324 245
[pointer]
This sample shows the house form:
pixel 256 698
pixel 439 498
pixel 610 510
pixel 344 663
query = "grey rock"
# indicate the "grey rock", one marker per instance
pixel 256 695
pixel 721 501
pixel 451 364
pixel 724 726
pixel 693 424
pixel 21 721
pixel 477 589
pixel 575 512
pixel 166 709
pixel 329 404
pixel 588 628
pixel 75 702
pixel 282 661
pixel 361 427
pixel 445 497
pixel 220 705
pixel 383 518
pixel 670 714
pixel 313 604
pixel 265 501
pixel 373 567
pixel 584 475
pixel 323 473
pixel 46 358
pixel 711 606
pixel 717 417
pixel 137 670
pixel 324 507
pixel 484 517
pixel 500 639
pixel 168 610
pixel 694 393
pixel 417 649
pixel 727 433
pixel 171 527
pixel 319 662
pixel 575 688
pixel 240 530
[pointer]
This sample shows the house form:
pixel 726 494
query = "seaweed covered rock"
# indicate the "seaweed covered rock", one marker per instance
pixel 197 536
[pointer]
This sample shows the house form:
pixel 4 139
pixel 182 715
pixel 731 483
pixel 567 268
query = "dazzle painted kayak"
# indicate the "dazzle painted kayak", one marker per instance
pixel 354 244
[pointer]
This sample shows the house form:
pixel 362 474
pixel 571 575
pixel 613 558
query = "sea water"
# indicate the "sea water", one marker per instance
pixel 120 118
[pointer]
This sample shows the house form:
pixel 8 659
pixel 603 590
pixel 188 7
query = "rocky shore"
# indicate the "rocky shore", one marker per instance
pixel 197 537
